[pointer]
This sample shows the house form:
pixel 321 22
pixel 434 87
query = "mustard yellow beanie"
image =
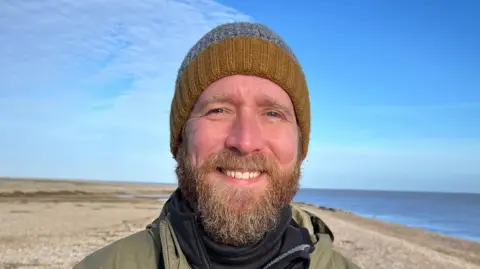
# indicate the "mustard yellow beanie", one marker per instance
pixel 238 48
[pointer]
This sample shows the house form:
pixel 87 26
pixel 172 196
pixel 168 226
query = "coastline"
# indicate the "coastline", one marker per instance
pixel 54 223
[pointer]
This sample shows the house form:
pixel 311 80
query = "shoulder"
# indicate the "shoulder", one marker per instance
pixel 136 251
pixel 341 262
pixel 324 255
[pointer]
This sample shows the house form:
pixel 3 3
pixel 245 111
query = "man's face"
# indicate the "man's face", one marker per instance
pixel 239 160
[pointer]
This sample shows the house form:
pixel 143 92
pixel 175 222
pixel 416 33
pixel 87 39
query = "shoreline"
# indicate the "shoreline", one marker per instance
pixel 379 219
pixel 73 218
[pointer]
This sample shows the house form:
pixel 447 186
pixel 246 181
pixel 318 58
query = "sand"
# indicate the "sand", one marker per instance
pixel 54 224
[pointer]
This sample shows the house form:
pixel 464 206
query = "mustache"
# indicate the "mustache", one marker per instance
pixel 229 160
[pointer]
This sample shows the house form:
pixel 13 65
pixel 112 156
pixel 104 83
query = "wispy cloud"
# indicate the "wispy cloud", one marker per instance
pixel 86 85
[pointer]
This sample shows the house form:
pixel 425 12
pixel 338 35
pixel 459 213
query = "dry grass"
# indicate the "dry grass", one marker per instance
pixel 50 224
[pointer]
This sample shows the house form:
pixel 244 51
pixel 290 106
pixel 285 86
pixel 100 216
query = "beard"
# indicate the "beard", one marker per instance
pixel 230 214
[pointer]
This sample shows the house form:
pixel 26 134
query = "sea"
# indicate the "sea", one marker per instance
pixel 452 214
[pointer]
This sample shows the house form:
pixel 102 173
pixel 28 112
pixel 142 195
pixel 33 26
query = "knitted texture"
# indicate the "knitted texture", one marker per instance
pixel 234 49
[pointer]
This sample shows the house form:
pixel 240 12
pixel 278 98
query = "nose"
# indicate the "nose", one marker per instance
pixel 245 135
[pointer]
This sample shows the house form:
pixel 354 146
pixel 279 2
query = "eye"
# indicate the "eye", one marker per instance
pixel 273 114
pixel 215 111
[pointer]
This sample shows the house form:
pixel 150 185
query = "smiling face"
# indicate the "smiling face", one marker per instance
pixel 239 161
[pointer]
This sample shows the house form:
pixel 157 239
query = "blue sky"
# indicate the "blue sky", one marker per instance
pixel 395 87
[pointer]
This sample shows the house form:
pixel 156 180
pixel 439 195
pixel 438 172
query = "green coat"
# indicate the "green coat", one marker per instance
pixel 140 250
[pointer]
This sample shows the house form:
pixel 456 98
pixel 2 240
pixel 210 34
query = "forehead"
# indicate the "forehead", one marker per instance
pixel 246 89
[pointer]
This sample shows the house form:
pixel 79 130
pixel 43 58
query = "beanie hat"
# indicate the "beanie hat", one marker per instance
pixel 240 48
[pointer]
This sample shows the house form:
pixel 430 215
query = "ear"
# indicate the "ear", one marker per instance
pixel 300 144
pixel 183 140
pixel 180 152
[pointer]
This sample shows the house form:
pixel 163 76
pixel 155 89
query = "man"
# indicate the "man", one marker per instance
pixel 240 124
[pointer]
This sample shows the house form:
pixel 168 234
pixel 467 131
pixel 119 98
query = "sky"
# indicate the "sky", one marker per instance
pixel 86 87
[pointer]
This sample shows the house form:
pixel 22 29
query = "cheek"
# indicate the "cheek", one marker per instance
pixel 203 141
pixel 284 145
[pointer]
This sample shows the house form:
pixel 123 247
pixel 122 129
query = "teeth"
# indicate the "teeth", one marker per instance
pixel 241 175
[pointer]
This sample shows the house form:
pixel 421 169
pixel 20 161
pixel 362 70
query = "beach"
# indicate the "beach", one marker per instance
pixel 55 223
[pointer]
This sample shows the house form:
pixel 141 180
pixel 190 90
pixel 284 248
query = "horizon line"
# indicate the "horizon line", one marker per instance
pixel 175 184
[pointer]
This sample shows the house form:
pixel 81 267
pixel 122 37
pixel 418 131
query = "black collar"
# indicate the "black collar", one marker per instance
pixel 285 246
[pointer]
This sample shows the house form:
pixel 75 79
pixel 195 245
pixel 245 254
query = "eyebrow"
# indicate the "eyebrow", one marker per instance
pixel 217 98
pixel 267 101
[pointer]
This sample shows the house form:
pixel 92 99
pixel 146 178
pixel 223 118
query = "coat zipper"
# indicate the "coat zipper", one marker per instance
pixel 201 246
pixel 163 249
